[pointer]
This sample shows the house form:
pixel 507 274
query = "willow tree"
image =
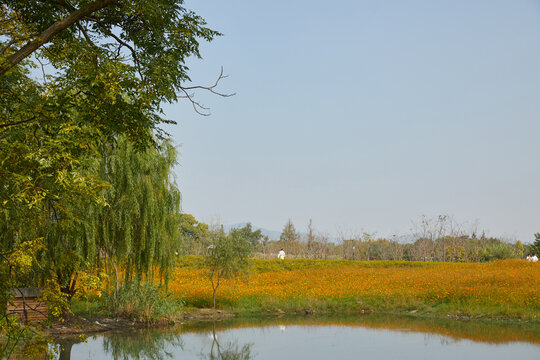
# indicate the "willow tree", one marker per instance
pixel 74 74
pixel 138 229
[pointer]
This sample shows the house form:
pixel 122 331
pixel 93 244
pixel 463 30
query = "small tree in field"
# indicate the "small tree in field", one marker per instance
pixel 535 247
pixel 226 258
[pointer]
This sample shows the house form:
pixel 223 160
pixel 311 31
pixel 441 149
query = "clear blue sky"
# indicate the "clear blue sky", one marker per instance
pixel 363 115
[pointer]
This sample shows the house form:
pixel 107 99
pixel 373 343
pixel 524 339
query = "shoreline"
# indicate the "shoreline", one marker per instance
pixel 78 325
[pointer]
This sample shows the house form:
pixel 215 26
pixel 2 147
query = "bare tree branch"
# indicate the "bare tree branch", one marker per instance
pixel 212 87
pixel 197 106
pixel 42 69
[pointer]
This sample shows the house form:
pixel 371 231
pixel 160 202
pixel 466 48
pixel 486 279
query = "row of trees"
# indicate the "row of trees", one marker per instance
pixel 445 243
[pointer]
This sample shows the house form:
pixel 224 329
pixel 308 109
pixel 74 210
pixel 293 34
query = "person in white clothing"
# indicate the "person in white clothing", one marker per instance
pixel 281 254
pixel 534 258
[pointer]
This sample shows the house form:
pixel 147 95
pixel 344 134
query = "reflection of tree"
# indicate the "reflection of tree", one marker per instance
pixel 476 330
pixel 228 351
pixel 64 351
pixel 141 344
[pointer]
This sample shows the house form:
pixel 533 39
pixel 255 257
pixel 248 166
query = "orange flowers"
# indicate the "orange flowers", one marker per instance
pixel 507 288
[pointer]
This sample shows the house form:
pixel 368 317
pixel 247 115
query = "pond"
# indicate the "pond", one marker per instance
pixel 367 336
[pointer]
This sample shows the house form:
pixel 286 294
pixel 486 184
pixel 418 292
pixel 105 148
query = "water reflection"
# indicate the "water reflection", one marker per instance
pixel 229 351
pixel 136 344
pixel 452 330
pixel 142 344
pixel 382 336
pixel 64 347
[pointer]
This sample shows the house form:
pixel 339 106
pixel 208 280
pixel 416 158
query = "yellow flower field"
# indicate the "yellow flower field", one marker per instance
pixel 498 289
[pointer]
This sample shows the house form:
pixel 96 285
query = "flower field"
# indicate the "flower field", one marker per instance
pixel 507 289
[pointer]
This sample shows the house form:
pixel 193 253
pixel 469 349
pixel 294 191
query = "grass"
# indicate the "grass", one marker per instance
pixel 503 289
pixel 144 303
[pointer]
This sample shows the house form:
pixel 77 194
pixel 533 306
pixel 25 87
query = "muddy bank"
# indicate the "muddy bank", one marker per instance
pixel 76 325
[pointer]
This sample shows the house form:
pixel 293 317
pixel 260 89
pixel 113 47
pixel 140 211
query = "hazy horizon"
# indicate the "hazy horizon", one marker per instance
pixel 364 115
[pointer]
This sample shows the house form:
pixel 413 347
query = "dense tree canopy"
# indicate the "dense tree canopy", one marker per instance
pixel 106 57
pixel 104 71
pixel 247 232
pixel 80 82
pixel 194 235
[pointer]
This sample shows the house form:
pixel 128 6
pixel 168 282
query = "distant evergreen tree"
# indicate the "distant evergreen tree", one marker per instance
pixel 289 233
pixel 535 247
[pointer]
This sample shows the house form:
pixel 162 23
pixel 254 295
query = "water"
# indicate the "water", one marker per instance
pixel 367 337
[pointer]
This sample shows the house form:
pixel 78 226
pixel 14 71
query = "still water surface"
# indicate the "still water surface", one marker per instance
pixel 309 338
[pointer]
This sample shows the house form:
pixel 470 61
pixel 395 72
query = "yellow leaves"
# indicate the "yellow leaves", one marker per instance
pixel 57 302
pixel 90 284
pixel 23 259
pixel 22 262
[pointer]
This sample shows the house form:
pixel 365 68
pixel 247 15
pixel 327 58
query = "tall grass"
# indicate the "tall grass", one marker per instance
pixel 142 302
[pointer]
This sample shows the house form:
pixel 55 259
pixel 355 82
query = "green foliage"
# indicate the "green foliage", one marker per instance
pixel 289 234
pixel 105 75
pixel 497 251
pixel 23 342
pixel 535 247
pixel 143 302
pixel 148 344
pixel 104 79
pixel 57 302
pixel 246 232
pixel 18 268
pixel 119 62
pixel 519 249
pixel 194 235
pixel 227 257
pixel 139 226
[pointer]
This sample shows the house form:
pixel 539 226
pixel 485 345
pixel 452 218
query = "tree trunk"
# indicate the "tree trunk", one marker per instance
pixel 117 280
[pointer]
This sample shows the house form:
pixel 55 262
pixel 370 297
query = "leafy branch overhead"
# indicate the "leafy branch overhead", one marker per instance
pixel 115 61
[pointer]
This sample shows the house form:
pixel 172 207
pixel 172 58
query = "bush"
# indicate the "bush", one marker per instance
pixel 500 251
pixel 146 302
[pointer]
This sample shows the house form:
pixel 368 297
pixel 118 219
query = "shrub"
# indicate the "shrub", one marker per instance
pixel 143 302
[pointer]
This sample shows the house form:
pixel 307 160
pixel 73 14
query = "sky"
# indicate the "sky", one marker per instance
pixel 366 115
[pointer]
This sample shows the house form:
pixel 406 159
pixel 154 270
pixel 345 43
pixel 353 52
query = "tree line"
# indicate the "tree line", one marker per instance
pixel 86 183
pixel 439 242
